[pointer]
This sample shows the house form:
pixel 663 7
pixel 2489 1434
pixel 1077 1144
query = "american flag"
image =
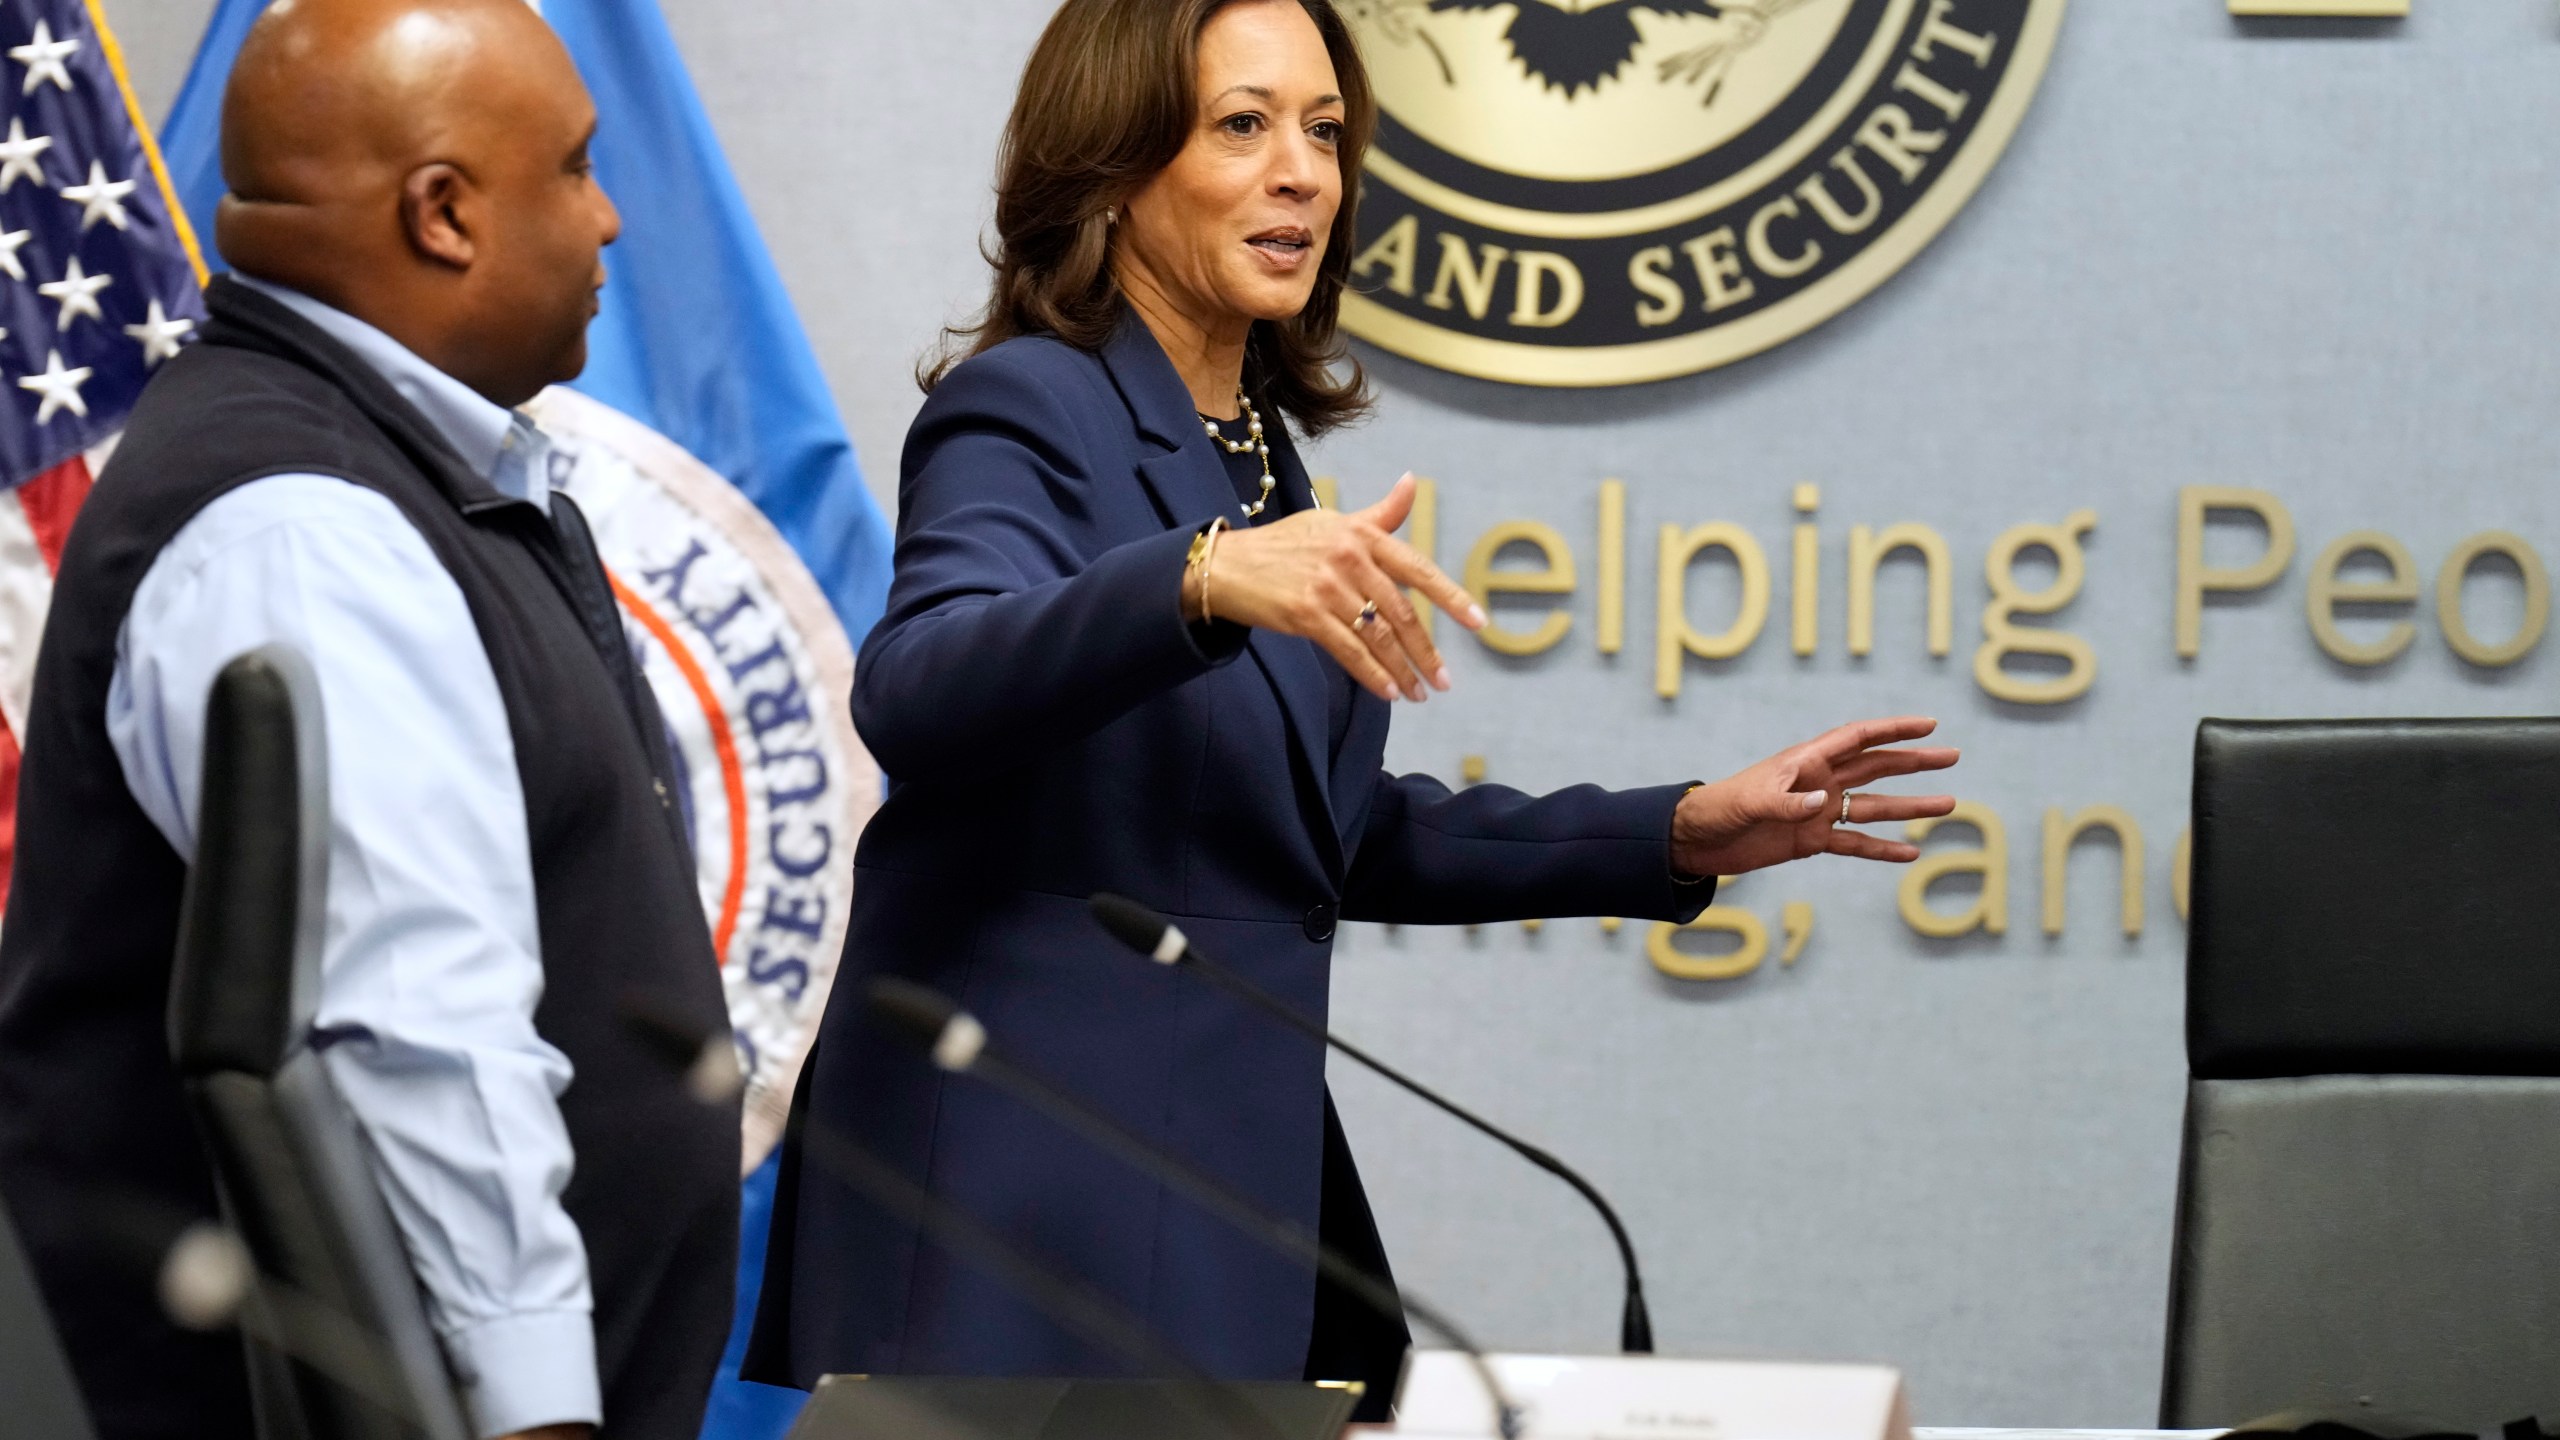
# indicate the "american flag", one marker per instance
pixel 100 281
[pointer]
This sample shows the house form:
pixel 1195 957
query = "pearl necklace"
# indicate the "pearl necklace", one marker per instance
pixel 1252 442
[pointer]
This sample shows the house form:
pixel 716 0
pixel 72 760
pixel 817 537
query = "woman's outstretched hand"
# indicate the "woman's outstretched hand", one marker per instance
pixel 1311 573
pixel 1788 806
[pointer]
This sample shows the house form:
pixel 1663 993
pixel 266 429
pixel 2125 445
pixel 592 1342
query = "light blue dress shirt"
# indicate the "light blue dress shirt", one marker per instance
pixel 431 966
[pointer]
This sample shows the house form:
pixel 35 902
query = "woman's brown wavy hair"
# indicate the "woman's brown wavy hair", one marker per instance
pixel 1106 103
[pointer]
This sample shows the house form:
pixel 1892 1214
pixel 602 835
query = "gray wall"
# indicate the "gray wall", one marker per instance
pixel 2305 258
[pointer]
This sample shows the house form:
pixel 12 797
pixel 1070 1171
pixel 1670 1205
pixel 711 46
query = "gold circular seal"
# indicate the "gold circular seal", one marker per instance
pixel 1602 192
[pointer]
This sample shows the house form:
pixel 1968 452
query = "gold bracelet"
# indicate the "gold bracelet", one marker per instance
pixel 1209 557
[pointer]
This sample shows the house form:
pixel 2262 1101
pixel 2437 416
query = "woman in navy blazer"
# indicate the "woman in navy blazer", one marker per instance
pixel 1104 667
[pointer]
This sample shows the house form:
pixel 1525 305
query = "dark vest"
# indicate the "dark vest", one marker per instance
pixel 95 1148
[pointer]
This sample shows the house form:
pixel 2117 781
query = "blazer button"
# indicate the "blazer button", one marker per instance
pixel 1319 922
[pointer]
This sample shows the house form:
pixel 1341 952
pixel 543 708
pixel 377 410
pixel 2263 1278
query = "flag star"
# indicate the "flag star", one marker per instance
pixel 59 387
pixel 77 292
pixel 18 155
pixel 158 334
pixel 43 57
pixel 9 243
pixel 100 199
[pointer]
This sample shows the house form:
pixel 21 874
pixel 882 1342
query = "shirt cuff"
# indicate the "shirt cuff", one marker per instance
pixel 524 1371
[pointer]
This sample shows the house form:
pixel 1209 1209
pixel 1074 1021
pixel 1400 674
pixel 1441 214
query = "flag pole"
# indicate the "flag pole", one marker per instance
pixel 150 146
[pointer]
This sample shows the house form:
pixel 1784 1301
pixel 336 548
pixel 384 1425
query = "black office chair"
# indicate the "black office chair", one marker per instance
pixel 2369 1194
pixel 338 1341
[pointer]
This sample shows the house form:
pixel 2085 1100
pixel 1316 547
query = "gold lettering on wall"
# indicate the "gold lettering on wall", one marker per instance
pixel 1674 635
pixel 1612 624
pixel 1719 266
pixel 1935 31
pixel 1989 911
pixel 2059 835
pixel 1531 306
pixel 1867 550
pixel 2001 638
pixel 1474 281
pixel 1816 190
pixel 1661 945
pixel 1395 248
pixel 2327 592
pixel 1553 576
pixel 2195 502
pixel 1912 80
pixel 1795 920
pixel 1891 134
pixel 1805 634
pixel 1765 254
pixel 1649 270
pixel 2537 599
pixel 1672 631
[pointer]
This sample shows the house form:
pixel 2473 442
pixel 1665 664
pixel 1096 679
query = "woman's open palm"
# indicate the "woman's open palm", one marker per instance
pixel 1788 806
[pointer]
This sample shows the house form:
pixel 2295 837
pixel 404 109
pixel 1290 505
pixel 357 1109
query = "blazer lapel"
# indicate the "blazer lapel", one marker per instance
pixel 1186 481
pixel 1190 487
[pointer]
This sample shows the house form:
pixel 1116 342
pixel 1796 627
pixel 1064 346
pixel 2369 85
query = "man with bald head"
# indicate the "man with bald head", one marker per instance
pixel 338 466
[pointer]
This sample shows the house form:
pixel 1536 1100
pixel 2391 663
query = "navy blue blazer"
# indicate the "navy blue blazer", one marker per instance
pixel 1051 726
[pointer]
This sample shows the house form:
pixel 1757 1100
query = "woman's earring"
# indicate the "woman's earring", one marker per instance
pixel 1111 216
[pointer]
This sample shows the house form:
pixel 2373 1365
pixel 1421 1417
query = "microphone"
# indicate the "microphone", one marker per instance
pixel 959 1044
pixel 1151 935
pixel 1074 1303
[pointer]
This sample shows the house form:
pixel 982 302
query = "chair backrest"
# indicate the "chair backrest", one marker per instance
pixel 42 1402
pixel 339 1346
pixel 2369 1192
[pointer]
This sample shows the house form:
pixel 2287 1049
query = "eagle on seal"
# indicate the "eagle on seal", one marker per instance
pixel 1573 45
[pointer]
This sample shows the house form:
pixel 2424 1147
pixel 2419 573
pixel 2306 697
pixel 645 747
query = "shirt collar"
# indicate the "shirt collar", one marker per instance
pixel 500 445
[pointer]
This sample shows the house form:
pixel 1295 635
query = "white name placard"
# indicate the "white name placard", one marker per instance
pixel 1634 1397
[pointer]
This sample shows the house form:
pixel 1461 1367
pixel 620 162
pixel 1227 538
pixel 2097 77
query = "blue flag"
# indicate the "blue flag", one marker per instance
pixel 697 342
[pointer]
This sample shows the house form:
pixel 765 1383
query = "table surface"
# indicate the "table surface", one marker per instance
pixel 1947 1432
pixel 1975 1433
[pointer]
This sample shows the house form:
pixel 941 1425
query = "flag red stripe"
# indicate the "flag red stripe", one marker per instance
pixel 51 500
pixel 8 807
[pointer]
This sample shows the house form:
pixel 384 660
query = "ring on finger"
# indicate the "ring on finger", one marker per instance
pixel 1845 798
pixel 1368 616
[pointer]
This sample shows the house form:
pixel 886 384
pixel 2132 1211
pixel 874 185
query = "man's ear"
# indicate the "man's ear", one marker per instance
pixel 434 213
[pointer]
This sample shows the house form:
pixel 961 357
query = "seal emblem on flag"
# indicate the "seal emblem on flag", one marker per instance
pixel 754 674
pixel 1601 192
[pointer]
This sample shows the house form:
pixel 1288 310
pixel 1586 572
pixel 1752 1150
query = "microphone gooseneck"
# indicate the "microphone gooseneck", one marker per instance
pixel 1157 938
pixel 961 1045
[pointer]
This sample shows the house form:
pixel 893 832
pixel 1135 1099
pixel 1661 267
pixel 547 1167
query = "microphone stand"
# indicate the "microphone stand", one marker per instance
pixel 1150 934
pixel 959 1044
